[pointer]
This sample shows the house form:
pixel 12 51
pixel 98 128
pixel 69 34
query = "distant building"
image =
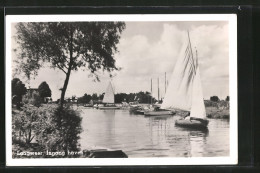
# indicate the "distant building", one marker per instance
pixel 72 99
pixel 47 99
pixel 31 91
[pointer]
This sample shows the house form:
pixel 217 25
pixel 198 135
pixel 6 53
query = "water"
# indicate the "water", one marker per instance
pixel 141 136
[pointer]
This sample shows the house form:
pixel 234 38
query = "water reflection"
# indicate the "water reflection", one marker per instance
pixel 197 141
pixel 108 130
pixel 157 136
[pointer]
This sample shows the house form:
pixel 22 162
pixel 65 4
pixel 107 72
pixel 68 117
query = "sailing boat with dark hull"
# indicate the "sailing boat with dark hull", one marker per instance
pixel 190 91
pixel 184 92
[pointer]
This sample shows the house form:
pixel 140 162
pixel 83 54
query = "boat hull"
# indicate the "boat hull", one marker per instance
pixel 135 109
pixel 194 124
pixel 88 106
pixel 141 112
pixel 109 107
pixel 159 112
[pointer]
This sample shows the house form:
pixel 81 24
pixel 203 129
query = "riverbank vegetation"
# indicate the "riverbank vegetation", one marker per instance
pixel 141 97
pixel 45 128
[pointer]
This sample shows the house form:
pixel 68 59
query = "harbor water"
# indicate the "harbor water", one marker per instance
pixel 157 136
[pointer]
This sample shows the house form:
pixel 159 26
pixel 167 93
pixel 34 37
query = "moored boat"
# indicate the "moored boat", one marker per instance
pixel 159 112
pixel 109 99
pixel 108 106
pixel 156 111
pixel 88 105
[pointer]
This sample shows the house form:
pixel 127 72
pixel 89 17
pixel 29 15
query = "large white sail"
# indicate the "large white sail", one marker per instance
pixel 109 96
pixel 179 91
pixel 197 103
pixel 185 91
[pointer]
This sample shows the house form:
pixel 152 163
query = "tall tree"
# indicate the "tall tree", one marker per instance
pixel 214 98
pixel 18 90
pixel 68 46
pixel 44 90
pixel 85 99
pixel 227 99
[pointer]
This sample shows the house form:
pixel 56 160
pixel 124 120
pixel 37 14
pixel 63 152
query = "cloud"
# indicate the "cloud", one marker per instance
pixel 145 55
pixel 142 60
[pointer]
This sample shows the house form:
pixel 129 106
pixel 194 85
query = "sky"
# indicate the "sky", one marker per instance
pixel 148 50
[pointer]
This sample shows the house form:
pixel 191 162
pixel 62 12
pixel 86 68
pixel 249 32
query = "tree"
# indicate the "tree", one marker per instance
pixel 84 99
pixel 18 90
pixel 101 96
pixel 94 97
pixel 120 97
pixel 227 99
pixel 68 46
pixel 214 98
pixel 44 90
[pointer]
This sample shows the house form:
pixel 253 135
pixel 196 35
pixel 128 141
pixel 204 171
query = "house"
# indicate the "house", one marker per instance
pixel 72 99
pixel 32 91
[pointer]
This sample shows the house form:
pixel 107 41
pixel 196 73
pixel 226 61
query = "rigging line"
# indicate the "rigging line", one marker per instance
pixel 191 53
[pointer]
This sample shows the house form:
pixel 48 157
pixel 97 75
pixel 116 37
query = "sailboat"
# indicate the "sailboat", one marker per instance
pixel 187 92
pixel 184 93
pixel 109 98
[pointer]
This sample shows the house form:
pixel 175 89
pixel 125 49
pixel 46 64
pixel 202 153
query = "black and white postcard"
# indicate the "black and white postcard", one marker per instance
pixel 105 90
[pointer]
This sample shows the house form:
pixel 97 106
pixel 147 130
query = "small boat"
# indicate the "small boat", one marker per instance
pixel 88 105
pixel 136 109
pixel 109 99
pixel 190 90
pixel 108 106
pixel 157 110
pixel 95 106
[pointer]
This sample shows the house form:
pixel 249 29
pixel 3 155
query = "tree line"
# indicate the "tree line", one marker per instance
pixel 216 99
pixel 141 97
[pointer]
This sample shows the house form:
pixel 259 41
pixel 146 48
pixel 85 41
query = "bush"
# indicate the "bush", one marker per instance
pixel 33 99
pixel 53 128
pixel 24 123
pixel 68 125
pixel 60 129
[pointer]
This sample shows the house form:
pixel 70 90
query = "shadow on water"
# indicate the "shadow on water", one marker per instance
pixel 159 117
pixel 201 132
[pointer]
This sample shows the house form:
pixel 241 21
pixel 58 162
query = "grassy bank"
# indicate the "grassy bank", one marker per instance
pixel 214 112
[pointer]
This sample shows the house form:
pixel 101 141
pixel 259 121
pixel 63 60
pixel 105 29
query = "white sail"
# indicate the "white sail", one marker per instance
pixel 179 91
pixel 109 96
pixel 185 91
pixel 197 103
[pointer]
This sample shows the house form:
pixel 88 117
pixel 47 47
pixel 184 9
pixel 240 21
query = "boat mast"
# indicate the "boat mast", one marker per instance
pixel 165 82
pixel 151 91
pixel 158 91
